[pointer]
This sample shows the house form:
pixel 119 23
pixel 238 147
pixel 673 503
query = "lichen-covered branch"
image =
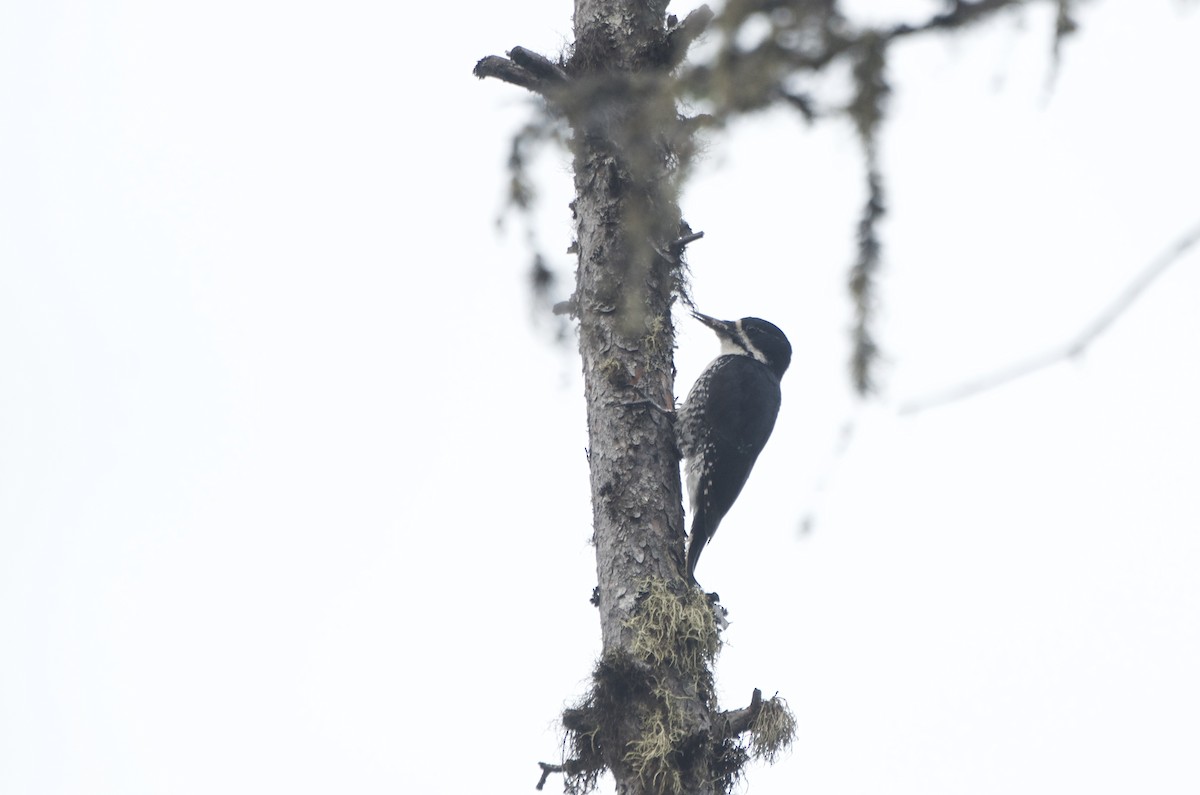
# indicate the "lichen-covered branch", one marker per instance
pixel 506 70
pixel 960 15
pixel 631 50
pixel 867 111
pixel 524 68
pixel 681 36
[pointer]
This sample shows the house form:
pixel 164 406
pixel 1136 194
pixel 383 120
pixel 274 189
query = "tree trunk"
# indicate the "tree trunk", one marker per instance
pixel 650 716
pixel 651 701
pixel 625 213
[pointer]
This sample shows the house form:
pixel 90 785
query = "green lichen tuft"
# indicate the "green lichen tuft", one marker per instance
pixel 656 335
pixel 673 642
pixel 773 730
pixel 674 631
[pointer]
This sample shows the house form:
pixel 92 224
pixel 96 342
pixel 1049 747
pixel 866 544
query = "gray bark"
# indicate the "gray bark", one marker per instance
pixel 624 210
pixel 626 217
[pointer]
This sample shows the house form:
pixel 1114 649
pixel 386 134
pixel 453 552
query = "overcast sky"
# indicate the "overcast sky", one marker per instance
pixel 293 495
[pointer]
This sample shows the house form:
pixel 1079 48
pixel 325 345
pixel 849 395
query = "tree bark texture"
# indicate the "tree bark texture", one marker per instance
pixel 626 217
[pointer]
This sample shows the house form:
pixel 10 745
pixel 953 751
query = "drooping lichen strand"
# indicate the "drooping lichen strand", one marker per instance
pixel 773 730
pixel 653 755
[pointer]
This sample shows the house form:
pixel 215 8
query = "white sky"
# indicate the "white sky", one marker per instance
pixel 293 495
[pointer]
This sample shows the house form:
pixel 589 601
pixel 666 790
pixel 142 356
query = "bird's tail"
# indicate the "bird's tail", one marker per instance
pixel 699 537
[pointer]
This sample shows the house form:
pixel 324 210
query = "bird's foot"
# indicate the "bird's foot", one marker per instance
pixel 720 614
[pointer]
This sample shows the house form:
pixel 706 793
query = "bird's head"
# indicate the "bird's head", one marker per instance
pixel 753 337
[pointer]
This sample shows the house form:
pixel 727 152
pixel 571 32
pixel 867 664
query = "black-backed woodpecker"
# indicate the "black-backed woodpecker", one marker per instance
pixel 727 418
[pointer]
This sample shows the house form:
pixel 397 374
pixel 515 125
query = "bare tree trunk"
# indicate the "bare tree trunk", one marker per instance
pixel 624 210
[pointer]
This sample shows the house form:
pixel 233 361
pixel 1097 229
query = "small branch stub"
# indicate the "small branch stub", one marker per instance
pixel 539 66
pixel 681 243
pixel 738 721
pixel 506 70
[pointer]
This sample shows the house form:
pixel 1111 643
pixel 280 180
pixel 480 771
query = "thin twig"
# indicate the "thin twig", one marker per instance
pixel 984 383
pixel 1075 347
pixel 1134 290
pixel 962 13
pixel 546 771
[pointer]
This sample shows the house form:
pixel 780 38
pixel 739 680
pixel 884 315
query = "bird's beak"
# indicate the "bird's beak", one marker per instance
pixel 724 328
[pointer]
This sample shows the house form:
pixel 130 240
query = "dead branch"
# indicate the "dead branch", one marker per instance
pixel 736 721
pixel 524 68
pixel 547 769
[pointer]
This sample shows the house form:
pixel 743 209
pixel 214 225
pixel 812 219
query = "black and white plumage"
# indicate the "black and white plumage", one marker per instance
pixel 727 418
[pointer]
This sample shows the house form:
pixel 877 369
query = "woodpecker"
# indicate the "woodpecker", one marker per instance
pixel 727 418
